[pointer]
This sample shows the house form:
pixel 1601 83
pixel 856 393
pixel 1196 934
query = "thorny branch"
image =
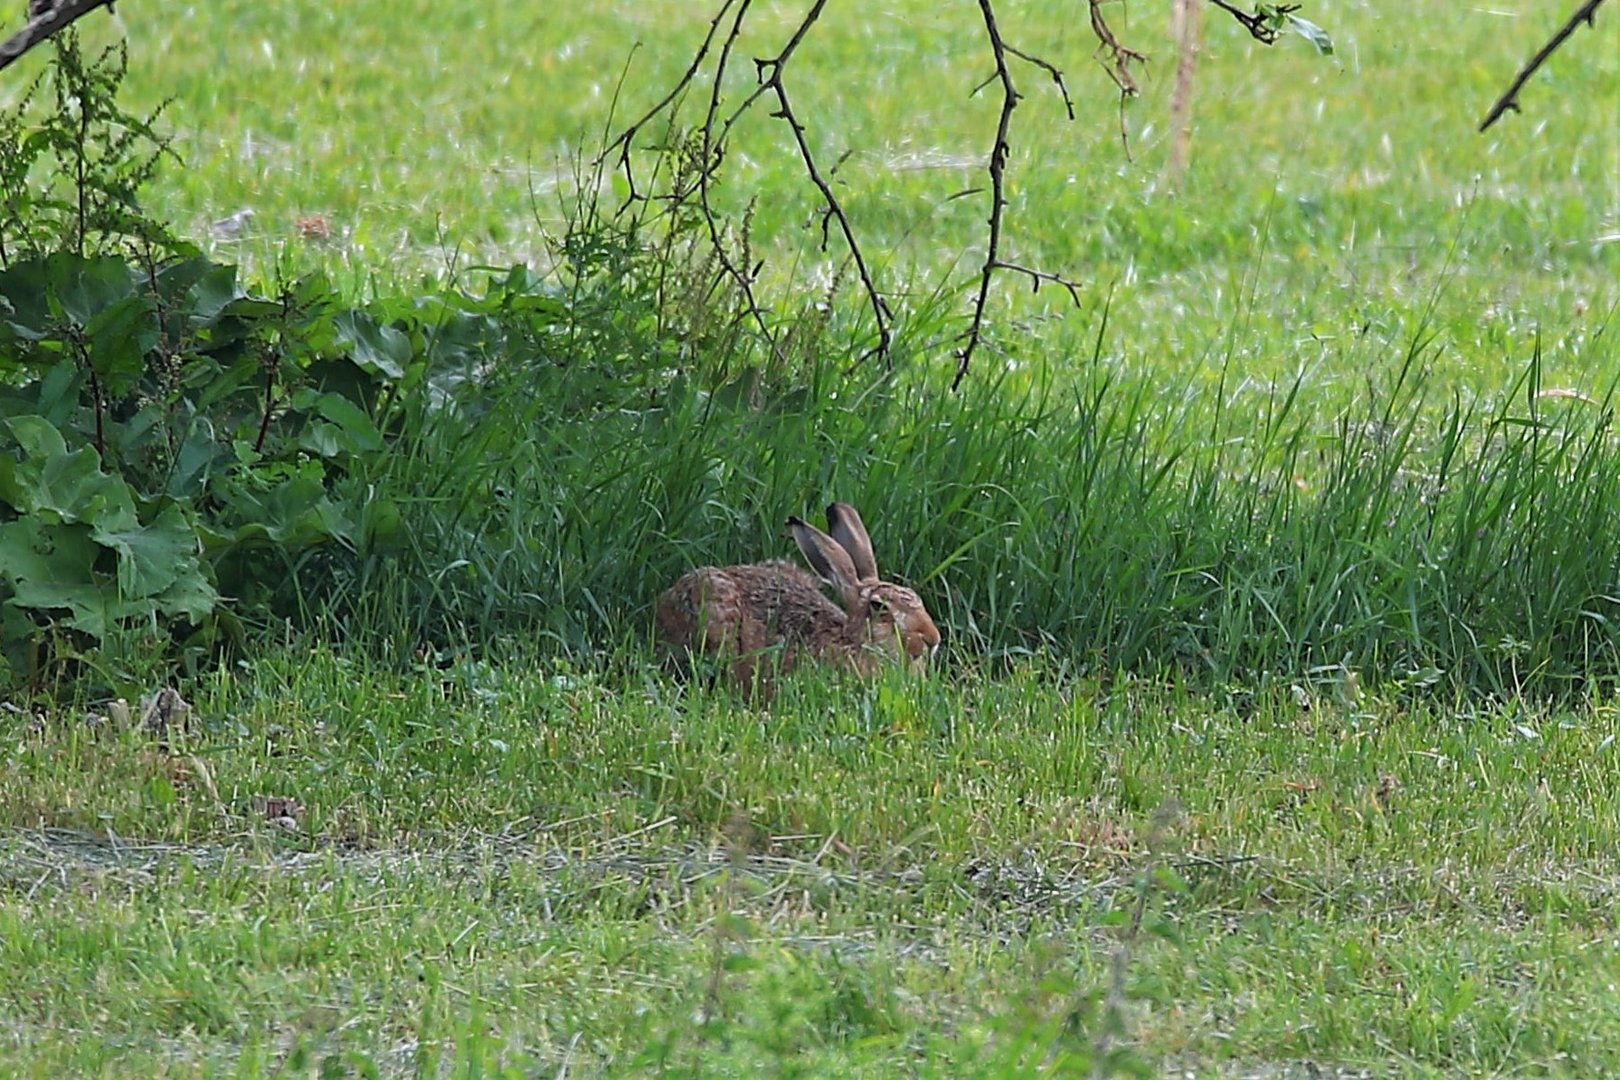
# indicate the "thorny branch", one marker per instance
pixel 717 49
pixel 712 152
pixel 1118 58
pixel 770 74
pixel 624 140
pixel 1117 61
pixel 1586 13
pixel 999 151
pixel 881 314
pixel 46 19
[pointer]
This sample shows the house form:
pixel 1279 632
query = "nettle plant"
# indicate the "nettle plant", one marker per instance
pixel 142 391
pixel 160 427
pixel 181 455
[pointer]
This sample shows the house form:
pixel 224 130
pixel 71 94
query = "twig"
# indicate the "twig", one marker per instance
pixel 999 152
pixel 770 72
pixel 713 151
pixel 716 134
pixel 1118 67
pixel 1264 24
pixel 1057 76
pixel 48 22
pixel 1586 13
pixel 622 143
pixel 1120 58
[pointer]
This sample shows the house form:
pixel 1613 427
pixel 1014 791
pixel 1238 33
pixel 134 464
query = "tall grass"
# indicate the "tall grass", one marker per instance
pixel 1258 533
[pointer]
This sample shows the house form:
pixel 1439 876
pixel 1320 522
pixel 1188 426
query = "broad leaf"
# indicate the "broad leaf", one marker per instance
pixel 51 568
pixel 378 349
pixel 66 487
pixel 120 335
pixel 25 312
pixel 1311 33
pixel 83 288
pixel 153 557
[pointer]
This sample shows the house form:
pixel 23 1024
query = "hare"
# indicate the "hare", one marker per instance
pixel 774 611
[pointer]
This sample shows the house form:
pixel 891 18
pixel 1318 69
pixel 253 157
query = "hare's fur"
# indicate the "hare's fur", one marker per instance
pixel 771 616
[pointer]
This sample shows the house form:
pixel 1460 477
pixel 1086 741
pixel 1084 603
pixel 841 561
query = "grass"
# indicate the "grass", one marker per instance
pixel 542 869
pixel 1326 193
pixel 1276 728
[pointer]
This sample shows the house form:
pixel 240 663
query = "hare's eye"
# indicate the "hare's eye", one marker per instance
pixel 876 605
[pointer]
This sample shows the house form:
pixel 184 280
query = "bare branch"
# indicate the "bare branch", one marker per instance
pixel 1041 277
pixel 716 131
pixel 998 194
pixel 1586 13
pixel 1057 76
pixel 622 143
pixel 721 118
pixel 999 152
pixel 713 152
pixel 770 72
pixel 46 21
pixel 1119 57
pixel 882 316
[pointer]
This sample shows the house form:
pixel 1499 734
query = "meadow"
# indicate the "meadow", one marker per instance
pixel 1273 733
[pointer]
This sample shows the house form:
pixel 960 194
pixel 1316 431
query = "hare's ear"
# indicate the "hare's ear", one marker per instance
pixel 846 528
pixel 828 560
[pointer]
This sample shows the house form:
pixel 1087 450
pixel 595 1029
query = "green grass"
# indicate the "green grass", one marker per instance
pixel 512 865
pixel 1280 610
pixel 1329 196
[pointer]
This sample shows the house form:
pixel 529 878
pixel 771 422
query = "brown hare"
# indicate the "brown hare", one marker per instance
pixel 771 616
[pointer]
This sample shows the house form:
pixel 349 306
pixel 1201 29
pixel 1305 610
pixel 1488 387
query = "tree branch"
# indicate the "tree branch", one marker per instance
pixel 716 131
pixel 1119 57
pixel 45 22
pixel 1266 22
pixel 625 138
pixel 999 152
pixel 720 119
pixel 712 153
pixel 882 316
pixel 1510 100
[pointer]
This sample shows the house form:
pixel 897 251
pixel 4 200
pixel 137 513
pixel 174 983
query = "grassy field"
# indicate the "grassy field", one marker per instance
pixel 504 862
pixel 504 867
pixel 1327 195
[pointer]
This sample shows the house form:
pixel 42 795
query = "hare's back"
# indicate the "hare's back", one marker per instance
pixel 782 593
pixel 744 606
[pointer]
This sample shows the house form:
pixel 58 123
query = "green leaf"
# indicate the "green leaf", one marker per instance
pixel 378 349
pixel 83 288
pixel 250 308
pixel 1311 33
pixel 360 433
pixel 66 487
pixel 25 312
pixel 51 568
pixel 177 281
pixel 212 293
pixel 152 558
pixel 295 512
pixel 32 549
pixel 193 465
pixel 380 522
pixel 53 396
pixel 322 439
pixel 120 335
